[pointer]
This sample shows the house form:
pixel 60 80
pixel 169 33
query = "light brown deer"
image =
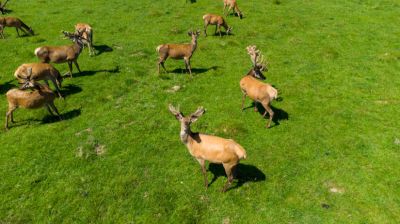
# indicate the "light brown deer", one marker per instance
pixel 232 5
pixel 62 54
pixel 39 97
pixel 258 91
pixel 218 21
pixel 178 51
pixel 40 71
pixel 209 148
pixel 17 23
pixel 86 32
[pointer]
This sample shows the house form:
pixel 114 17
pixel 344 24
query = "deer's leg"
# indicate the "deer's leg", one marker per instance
pixel 70 68
pixel 270 111
pixel 16 28
pixel 205 28
pixel 9 115
pixel 204 171
pixel 56 85
pixel 48 109
pixel 187 62
pixel 228 170
pixel 219 30
pixel 229 10
pixel 243 99
pixel 223 11
pixel 215 31
pixel 255 106
pixel 55 109
pixel 77 66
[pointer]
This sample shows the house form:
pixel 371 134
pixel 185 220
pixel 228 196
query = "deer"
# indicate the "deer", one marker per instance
pixel 232 6
pixel 40 71
pixel 218 21
pixel 86 32
pixel 62 54
pixel 209 148
pixel 40 96
pixel 3 9
pixel 178 51
pixel 17 23
pixel 258 91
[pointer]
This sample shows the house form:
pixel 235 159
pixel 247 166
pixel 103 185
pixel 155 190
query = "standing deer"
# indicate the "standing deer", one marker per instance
pixel 232 6
pixel 86 32
pixel 178 51
pixel 17 23
pixel 62 54
pixel 39 97
pixel 258 91
pixel 209 148
pixel 40 71
pixel 218 21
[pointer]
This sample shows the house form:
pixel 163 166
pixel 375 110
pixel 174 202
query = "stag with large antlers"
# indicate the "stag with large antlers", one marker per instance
pixel 209 148
pixel 40 71
pixel 258 91
pixel 178 51
pixel 17 23
pixel 62 54
pixel 86 32
pixel 39 97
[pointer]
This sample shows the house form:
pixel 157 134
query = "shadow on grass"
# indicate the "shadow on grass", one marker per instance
pixel 191 1
pixel 90 73
pixel 243 173
pixel 70 89
pixel 102 48
pixel 5 11
pixel 194 70
pixel 65 116
pixel 6 86
pixel 279 114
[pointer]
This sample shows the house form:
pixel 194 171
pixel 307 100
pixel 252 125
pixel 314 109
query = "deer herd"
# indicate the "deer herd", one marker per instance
pixel 32 94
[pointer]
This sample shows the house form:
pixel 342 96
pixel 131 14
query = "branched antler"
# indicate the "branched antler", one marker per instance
pixel 173 109
pixel 256 57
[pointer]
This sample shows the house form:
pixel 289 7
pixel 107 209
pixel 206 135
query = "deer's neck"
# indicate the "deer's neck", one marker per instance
pixel 185 134
pixel 194 45
pixel 77 47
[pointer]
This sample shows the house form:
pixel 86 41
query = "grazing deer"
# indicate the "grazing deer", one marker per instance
pixel 178 51
pixel 86 32
pixel 17 23
pixel 232 6
pixel 218 21
pixel 62 54
pixel 258 91
pixel 39 97
pixel 209 148
pixel 40 71
pixel 3 9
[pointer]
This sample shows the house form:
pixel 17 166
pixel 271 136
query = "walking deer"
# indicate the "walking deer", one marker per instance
pixel 178 51
pixel 218 21
pixel 17 23
pixel 232 5
pixel 258 91
pixel 86 32
pixel 62 54
pixel 209 148
pixel 39 97
pixel 40 71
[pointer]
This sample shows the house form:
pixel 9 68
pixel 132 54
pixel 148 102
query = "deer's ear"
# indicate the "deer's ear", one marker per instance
pixel 190 33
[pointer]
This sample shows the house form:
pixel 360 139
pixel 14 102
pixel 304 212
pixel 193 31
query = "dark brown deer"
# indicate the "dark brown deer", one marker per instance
pixel 218 21
pixel 258 91
pixel 62 54
pixel 17 23
pixel 40 96
pixel 178 51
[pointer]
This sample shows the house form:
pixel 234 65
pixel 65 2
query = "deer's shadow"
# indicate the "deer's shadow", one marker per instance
pixel 279 114
pixel 70 89
pixel 65 116
pixel 99 49
pixel 90 73
pixel 194 70
pixel 7 86
pixel 243 173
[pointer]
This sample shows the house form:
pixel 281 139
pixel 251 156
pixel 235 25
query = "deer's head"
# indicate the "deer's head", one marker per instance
pixel 259 64
pixel 28 83
pixel 188 120
pixel 74 37
pixel 194 34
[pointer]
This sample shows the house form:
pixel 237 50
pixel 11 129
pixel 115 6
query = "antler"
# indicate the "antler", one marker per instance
pixel 255 55
pixel 173 109
pixel 198 112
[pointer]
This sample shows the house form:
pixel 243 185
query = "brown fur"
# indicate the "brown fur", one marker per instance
pixel 232 5
pixel 209 148
pixel 178 51
pixel 40 71
pixel 15 22
pixel 39 97
pixel 86 32
pixel 218 21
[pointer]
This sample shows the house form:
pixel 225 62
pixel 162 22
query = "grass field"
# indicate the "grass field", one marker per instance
pixel 117 157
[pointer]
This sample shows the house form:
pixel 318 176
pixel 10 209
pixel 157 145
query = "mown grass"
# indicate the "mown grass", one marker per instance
pixel 117 157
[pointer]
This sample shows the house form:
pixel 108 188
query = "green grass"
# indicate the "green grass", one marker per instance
pixel 117 157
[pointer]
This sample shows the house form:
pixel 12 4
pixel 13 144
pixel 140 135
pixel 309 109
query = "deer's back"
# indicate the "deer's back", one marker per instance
pixel 176 51
pixel 39 70
pixel 254 88
pixel 29 99
pixel 11 22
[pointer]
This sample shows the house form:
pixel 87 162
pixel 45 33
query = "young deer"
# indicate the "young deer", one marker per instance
pixel 232 6
pixel 17 23
pixel 218 21
pixel 86 32
pixel 178 51
pixel 40 71
pixel 39 97
pixel 209 148
pixel 62 54
pixel 258 91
